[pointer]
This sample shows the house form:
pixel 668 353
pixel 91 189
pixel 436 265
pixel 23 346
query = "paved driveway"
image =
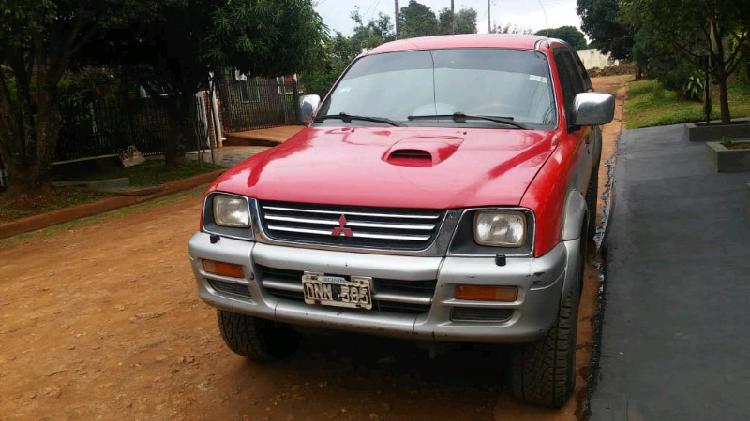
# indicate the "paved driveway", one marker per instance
pixel 675 337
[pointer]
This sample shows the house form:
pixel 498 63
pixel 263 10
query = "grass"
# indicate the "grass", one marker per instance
pixel 151 172
pixel 735 145
pixel 58 198
pixel 649 104
pixel 53 229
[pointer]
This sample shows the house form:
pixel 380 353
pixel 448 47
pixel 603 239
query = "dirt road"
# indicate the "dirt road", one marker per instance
pixel 101 320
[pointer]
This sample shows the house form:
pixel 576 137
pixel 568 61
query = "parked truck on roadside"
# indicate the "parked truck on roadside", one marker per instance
pixel 444 190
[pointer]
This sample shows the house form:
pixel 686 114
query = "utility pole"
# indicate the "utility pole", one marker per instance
pixel 397 19
pixel 488 17
pixel 453 18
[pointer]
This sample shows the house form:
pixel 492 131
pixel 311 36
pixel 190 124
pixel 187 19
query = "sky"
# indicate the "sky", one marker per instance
pixel 527 14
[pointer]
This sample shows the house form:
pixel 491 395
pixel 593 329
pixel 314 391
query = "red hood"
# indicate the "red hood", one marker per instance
pixel 360 166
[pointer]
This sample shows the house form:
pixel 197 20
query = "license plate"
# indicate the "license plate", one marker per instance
pixel 337 291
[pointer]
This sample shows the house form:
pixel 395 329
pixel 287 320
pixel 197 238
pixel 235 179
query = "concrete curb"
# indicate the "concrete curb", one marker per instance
pixel 60 216
pixel 699 132
pixel 729 160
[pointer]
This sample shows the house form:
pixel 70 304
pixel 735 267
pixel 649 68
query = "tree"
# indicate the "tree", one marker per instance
pixel 569 34
pixel 40 41
pixel 602 22
pixel 373 33
pixel 717 29
pixel 464 22
pixel 191 39
pixel 338 51
pixel 416 20
pixel 510 29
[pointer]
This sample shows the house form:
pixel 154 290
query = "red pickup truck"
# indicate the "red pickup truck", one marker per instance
pixel 444 190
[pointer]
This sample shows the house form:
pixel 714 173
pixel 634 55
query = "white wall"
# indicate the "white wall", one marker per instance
pixel 595 58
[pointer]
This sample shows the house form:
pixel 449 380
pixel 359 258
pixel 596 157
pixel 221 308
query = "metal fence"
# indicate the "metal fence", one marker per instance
pixel 256 103
pixel 93 127
pixel 99 127
pixel 3 177
pixel 104 127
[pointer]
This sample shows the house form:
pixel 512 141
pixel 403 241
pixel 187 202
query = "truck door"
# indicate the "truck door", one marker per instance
pixel 572 84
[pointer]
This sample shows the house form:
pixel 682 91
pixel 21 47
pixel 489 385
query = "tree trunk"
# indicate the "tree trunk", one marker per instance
pixel 707 98
pixel 46 132
pixel 719 63
pixel 174 149
pixel 29 144
pixel 724 100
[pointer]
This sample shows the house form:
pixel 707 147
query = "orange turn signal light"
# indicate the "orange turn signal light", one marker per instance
pixel 486 292
pixel 224 269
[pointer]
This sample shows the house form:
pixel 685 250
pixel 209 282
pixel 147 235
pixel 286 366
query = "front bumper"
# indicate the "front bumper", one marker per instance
pixel 540 283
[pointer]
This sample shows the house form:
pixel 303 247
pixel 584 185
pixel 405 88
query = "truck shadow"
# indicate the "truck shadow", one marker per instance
pixel 363 377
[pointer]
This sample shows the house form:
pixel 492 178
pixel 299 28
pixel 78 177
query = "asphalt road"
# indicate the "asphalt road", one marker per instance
pixel 674 341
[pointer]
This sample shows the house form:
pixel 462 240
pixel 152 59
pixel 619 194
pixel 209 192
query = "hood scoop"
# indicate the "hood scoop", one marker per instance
pixel 421 151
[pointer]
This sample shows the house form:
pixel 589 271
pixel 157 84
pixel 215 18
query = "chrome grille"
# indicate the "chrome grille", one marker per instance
pixel 350 226
pixel 389 295
pixel 470 314
pixel 230 288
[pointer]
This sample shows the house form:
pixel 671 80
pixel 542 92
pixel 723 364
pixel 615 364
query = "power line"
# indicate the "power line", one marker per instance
pixel 546 21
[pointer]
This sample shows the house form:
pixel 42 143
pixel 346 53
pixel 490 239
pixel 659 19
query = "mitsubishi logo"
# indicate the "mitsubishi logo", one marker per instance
pixel 342 230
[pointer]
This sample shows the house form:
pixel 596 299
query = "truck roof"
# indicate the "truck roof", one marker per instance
pixel 513 42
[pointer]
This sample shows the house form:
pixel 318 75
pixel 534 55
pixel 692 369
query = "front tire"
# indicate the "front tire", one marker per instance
pixel 543 372
pixel 257 339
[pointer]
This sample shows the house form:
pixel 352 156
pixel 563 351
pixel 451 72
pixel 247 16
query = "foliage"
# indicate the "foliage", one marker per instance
pixel 369 35
pixel 657 61
pixel 174 57
pixel 569 34
pixel 650 104
pixel 416 20
pixel 609 33
pixel 694 87
pixel 339 50
pixel 510 29
pixel 692 31
pixel 464 21
pixel 39 42
pixel 171 46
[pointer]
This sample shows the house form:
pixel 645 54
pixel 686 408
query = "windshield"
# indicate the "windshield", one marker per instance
pixel 409 87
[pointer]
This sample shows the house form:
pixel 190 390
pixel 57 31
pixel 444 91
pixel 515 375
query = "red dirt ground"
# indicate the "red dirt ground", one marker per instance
pixel 101 320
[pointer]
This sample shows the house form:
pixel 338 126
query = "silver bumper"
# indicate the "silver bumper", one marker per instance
pixel 540 282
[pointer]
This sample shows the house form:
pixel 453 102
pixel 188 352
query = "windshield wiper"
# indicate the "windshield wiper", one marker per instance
pixel 347 118
pixel 460 117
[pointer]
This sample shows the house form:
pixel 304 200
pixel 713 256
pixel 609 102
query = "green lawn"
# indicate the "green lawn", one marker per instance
pixel 59 197
pixel 649 104
pixel 153 172
pixel 150 173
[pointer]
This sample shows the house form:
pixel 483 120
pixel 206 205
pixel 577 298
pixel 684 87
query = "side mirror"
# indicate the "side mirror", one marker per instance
pixel 307 106
pixel 594 109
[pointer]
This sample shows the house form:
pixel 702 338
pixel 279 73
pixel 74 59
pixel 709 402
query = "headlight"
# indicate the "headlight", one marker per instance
pixel 231 211
pixel 500 228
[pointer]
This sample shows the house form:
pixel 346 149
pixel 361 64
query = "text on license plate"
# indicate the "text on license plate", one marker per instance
pixel 337 291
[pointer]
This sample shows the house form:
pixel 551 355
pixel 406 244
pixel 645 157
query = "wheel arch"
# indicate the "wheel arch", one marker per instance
pixel 575 213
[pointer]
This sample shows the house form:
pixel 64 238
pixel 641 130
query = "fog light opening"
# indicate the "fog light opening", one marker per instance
pixel 230 270
pixel 486 292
